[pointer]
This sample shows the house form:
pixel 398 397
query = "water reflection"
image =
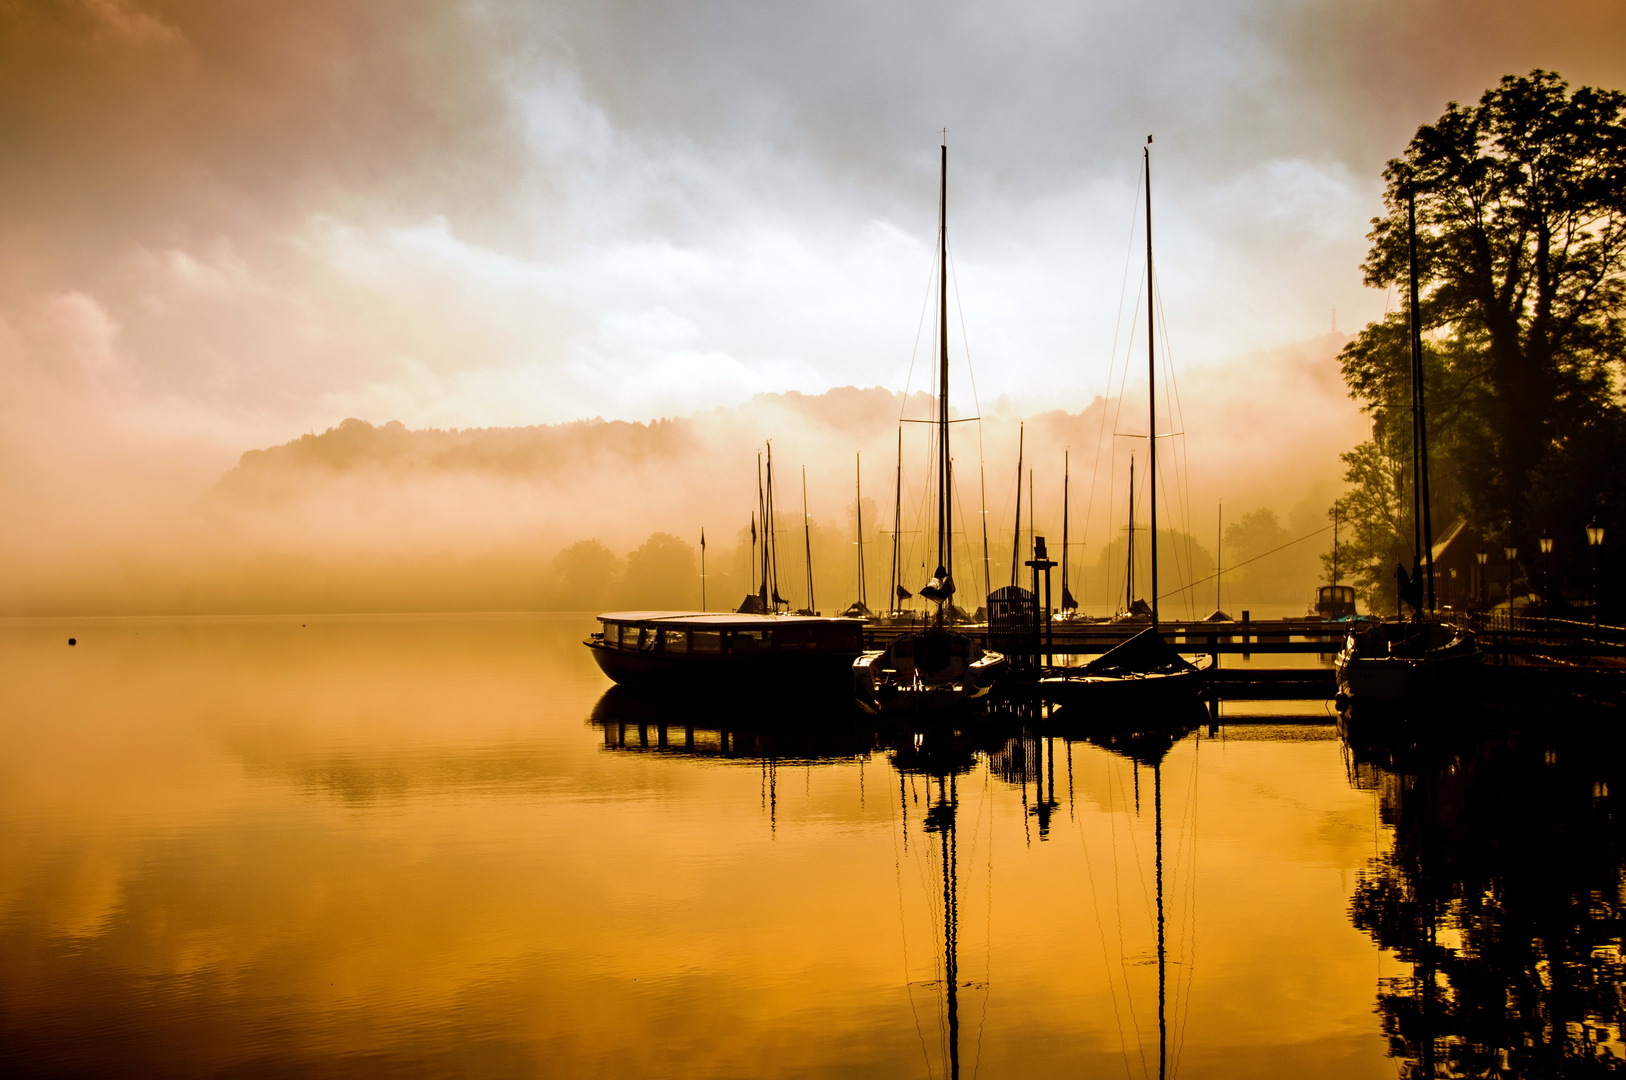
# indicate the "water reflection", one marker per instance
pixel 1503 891
pixel 440 846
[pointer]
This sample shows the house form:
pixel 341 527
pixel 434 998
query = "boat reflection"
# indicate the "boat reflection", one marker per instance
pixel 1504 893
pixel 1017 745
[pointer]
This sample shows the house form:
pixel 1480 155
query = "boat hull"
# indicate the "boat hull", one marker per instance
pixel 882 685
pixel 825 672
pixel 1149 690
pixel 1445 668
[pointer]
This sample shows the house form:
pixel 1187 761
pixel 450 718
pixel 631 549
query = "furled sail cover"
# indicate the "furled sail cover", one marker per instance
pixel 940 587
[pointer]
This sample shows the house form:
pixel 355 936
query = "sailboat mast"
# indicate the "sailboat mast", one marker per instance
pixel 771 542
pixel 762 516
pixel 1151 376
pixel 945 540
pixel 1129 574
pixel 1066 474
pixel 987 572
pixel 1219 555
pixel 858 517
pixel 807 535
pixel 897 524
pixel 1016 534
pixel 1423 520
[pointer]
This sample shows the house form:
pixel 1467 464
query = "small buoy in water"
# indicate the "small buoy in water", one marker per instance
pixel 73 641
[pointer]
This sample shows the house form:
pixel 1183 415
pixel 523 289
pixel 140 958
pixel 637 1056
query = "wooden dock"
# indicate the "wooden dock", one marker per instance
pixel 1524 657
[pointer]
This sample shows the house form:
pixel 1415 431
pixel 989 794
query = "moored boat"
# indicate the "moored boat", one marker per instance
pixel 726 652
pixel 935 668
pixel 1396 662
pixel 1144 672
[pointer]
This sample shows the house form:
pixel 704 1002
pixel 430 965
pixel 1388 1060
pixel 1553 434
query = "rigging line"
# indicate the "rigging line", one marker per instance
pixel 1101 931
pixel 1181 451
pixel 1256 558
pixel 1186 571
pixel 925 305
pixel 1191 902
pixel 1114 778
pixel 903 927
pixel 1122 387
pixel 988 914
pixel 1112 361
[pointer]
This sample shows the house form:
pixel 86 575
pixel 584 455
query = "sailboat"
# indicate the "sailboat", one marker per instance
pixel 1144 671
pixel 935 668
pixel 1425 658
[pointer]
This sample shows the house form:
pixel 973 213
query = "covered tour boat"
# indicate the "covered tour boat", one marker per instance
pixel 723 651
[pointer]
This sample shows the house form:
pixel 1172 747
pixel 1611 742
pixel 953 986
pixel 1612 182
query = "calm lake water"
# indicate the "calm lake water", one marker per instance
pixel 436 846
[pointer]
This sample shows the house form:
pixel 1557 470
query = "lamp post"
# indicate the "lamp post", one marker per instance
pixel 1594 540
pixel 1511 553
pixel 1482 557
pixel 1546 543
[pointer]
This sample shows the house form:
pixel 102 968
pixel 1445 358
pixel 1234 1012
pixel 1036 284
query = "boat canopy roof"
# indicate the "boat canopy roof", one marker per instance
pixel 716 620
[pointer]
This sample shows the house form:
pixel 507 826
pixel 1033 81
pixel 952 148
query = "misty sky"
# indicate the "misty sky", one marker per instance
pixel 226 223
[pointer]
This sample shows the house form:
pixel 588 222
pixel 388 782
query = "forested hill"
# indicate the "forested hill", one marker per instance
pixel 552 452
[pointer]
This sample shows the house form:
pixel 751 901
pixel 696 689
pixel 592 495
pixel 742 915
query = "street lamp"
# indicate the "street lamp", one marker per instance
pixel 1546 543
pixel 1482 557
pixel 1511 553
pixel 1594 540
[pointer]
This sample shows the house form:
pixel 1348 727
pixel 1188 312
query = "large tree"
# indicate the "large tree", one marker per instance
pixel 1521 219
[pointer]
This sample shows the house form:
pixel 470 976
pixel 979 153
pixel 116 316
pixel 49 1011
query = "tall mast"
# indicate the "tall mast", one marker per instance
pixel 1016 534
pixel 1151 376
pixel 897 524
pixel 1031 547
pixel 858 487
pixel 987 573
pixel 1129 575
pixel 762 516
pixel 1066 475
pixel 945 538
pixel 807 534
pixel 771 542
pixel 1219 554
pixel 1419 415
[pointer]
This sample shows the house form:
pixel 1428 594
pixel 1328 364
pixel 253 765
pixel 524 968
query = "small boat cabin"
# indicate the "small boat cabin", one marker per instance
pixel 1335 602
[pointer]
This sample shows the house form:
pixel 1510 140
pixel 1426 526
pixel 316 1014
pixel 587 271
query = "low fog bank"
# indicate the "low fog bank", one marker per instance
pixel 593 514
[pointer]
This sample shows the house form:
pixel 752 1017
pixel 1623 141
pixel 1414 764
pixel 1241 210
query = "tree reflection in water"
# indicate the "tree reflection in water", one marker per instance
pixel 1504 893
